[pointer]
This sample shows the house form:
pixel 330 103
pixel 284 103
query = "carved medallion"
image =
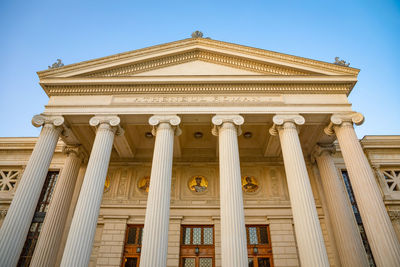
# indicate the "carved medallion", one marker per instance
pixel 198 184
pixel 249 184
pixel 144 184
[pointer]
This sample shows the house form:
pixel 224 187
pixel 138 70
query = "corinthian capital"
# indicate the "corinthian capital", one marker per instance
pixel 219 119
pixel 338 119
pixel 281 119
pixel 41 120
pixel 109 121
pixel 173 120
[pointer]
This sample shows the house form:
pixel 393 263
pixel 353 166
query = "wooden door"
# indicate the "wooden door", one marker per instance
pixel 133 246
pixel 197 246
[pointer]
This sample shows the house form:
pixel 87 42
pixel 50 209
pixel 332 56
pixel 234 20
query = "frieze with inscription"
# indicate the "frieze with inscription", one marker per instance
pixel 197 99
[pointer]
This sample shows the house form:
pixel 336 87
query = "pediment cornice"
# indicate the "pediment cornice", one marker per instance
pixel 228 54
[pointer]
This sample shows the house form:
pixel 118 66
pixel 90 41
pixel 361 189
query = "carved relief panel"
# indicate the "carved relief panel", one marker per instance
pixel 276 183
pixel 192 183
pixel 198 182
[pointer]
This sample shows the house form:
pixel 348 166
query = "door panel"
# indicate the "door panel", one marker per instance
pixel 131 262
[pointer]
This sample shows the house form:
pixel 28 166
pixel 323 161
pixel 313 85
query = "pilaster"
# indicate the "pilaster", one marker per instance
pixel 174 234
pixel 112 241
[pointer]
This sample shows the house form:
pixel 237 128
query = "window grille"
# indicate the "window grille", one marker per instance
pixel 38 218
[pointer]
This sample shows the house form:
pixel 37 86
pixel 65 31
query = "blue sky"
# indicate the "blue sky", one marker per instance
pixel 365 33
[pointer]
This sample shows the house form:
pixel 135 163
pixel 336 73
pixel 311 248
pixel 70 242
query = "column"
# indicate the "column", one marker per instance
pixel 19 217
pixel 233 231
pixel 46 250
pixel 347 235
pixel 155 233
pixel 380 232
pixel 309 237
pixel 83 226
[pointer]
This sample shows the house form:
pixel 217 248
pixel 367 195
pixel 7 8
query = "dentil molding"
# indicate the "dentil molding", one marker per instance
pixel 120 89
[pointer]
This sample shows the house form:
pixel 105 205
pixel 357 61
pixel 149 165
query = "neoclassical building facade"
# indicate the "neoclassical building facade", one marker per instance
pixel 199 153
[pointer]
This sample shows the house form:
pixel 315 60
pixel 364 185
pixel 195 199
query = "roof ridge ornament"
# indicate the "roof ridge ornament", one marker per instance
pixel 198 34
pixel 341 62
pixel 56 64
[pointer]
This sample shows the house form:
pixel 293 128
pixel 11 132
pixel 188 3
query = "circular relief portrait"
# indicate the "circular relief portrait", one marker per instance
pixel 198 184
pixel 249 184
pixel 107 184
pixel 144 184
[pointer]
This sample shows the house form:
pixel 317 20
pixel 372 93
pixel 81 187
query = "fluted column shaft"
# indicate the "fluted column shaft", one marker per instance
pixel 309 237
pixel 46 249
pixel 83 227
pixel 22 209
pixel 233 230
pixel 347 235
pixel 381 235
pixel 155 233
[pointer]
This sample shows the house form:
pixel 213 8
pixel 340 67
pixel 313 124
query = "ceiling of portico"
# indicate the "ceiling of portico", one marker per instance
pixel 255 143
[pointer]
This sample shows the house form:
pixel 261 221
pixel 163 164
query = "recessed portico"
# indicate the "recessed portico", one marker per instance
pixel 158 108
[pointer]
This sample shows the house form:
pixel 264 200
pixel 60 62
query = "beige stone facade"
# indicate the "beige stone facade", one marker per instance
pixel 240 136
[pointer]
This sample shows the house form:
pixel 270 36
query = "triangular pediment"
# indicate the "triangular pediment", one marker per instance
pixel 198 56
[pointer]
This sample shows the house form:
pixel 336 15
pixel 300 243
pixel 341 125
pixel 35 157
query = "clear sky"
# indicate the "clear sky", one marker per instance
pixel 33 34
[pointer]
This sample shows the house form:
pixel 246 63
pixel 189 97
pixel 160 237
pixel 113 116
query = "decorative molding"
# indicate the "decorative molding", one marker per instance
pixel 341 62
pixel 9 179
pixel 230 61
pixel 219 119
pixel 173 120
pixel 41 120
pixel 112 121
pixel 57 64
pixel 77 150
pixel 3 214
pixel 118 89
pixel 281 119
pixel 338 119
pixel 319 149
pixel 394 215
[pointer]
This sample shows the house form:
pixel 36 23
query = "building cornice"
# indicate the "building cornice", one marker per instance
pixel 195 88
pixel 380 141
pixel 24 143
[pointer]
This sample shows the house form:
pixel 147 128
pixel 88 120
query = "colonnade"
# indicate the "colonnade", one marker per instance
pixel 311 247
